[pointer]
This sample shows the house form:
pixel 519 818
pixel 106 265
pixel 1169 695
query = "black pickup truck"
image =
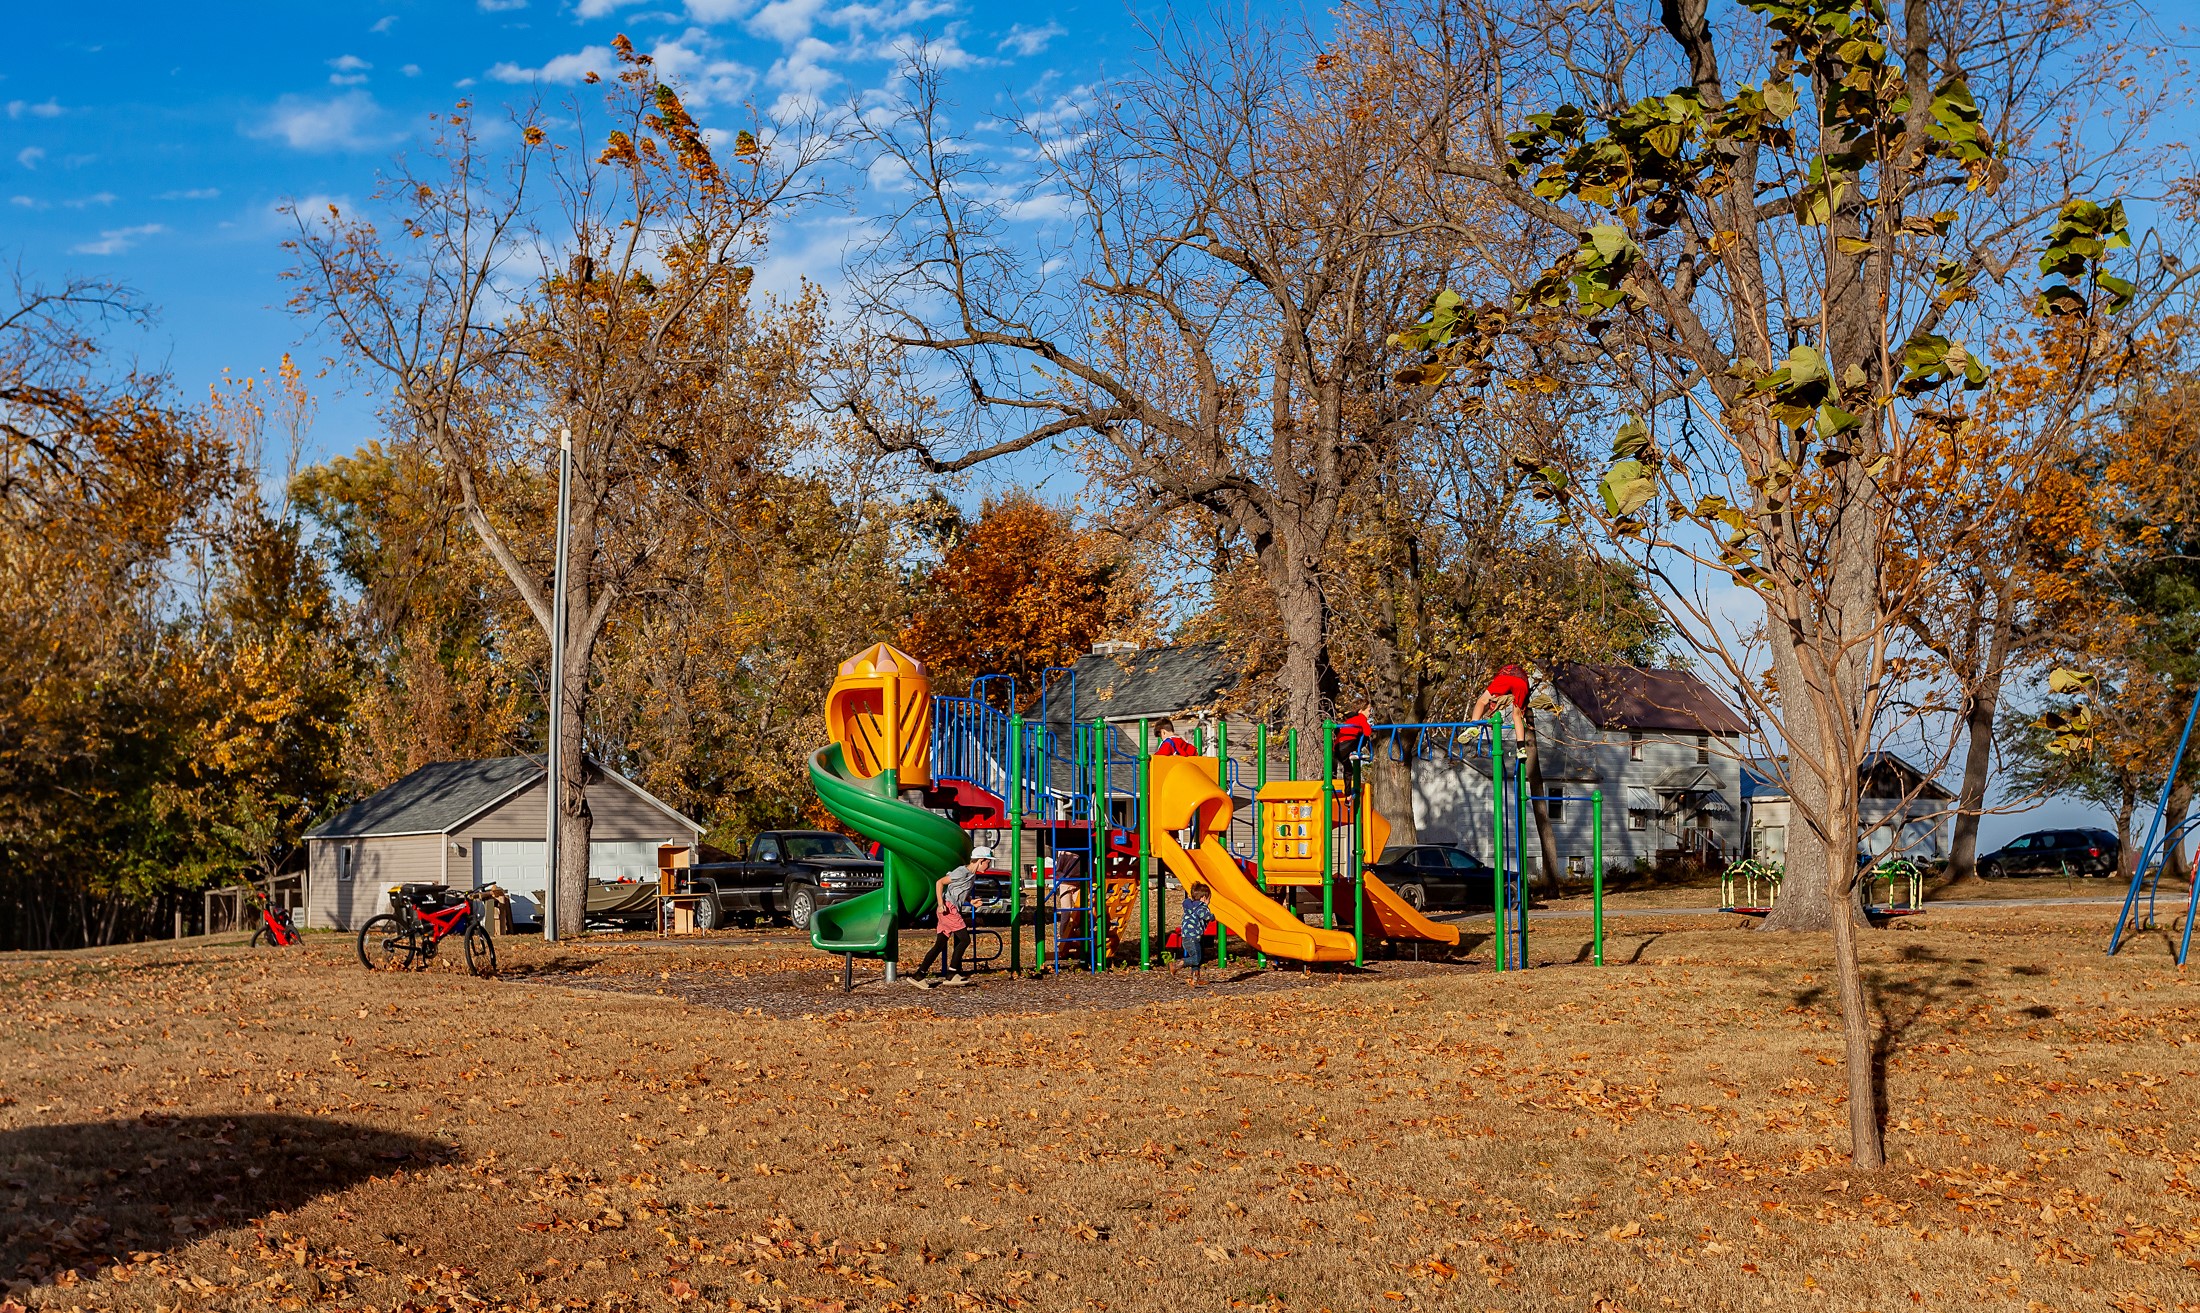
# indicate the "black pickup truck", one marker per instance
pixel 787 875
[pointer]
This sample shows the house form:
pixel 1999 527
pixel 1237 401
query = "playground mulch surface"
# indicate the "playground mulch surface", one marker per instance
pixel 202 1126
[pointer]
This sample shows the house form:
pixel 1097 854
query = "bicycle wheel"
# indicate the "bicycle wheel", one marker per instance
pixel 387 944
pixel 260 936
pixel 481 950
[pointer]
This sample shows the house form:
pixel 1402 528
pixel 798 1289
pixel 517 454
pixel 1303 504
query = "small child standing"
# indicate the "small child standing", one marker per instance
pixel 1192 934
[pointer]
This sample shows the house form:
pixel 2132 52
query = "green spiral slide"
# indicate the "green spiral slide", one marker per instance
pixel 921 846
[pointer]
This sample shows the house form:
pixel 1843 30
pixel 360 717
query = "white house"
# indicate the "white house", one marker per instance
pixel 1664 750
pixel 1904 811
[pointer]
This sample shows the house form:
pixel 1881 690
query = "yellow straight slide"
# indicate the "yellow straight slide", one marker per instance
pixel 1185 793
pixel 1392 916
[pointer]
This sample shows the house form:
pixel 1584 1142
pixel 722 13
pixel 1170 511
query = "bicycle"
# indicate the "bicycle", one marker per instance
pixel 422 917
pixel 275 928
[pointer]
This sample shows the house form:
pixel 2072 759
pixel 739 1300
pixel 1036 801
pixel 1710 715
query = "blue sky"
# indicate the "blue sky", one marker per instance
pixel 153 143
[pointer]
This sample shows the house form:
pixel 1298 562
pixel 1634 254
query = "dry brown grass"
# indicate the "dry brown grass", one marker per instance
pixel 212 1128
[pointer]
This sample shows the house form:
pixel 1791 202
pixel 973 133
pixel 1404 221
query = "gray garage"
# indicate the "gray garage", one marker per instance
pixel 471 824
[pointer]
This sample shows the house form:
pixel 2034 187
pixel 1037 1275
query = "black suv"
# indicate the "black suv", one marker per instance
pixel 787 876
pixel 2053 852
pixel 1435 875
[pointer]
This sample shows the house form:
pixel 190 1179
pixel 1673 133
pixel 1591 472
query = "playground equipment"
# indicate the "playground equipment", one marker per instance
pixel 1758 881
pixel 1186 794
pixel 878 712
pixel 2163 840
pixel 917 772
pixel 1466 743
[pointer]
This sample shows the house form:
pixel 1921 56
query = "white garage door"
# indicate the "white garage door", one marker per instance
pixel 610 860
pixel 517 866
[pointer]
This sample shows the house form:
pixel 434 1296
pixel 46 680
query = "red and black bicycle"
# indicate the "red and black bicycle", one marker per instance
pixel 422 917
pixel 275 927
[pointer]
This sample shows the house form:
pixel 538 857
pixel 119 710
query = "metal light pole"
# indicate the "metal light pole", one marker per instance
pixel 557 684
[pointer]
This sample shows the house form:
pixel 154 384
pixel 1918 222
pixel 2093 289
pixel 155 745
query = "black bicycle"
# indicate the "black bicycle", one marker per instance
pixel 422 917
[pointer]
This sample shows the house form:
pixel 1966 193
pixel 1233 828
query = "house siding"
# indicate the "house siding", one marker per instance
pixel 377 863
pixel 1452 798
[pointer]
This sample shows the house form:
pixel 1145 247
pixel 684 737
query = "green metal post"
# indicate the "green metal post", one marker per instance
pixel 1145 850
pixel 1497 834
pixel 1596 872
pixel 1292 739
pixel 1260 836
pixel 1359 891
pixel 1099 872
pixel 1329 856
pixel 1015 845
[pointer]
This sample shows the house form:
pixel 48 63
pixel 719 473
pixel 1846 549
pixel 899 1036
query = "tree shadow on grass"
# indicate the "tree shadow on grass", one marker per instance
pixel 80 1195
pixel 1926 981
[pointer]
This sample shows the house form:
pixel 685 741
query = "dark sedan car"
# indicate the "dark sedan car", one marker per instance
pixel 1435 875
pixel 2053 852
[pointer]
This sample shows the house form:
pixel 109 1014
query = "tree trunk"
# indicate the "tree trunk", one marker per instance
pixel 584 614
pixel 1546 841
pixel 2127 858
pixel 1307 679
pixel 1867 1138
pixel 1978 756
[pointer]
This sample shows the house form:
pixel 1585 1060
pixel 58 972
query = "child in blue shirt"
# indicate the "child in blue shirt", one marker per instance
pixel 1192 934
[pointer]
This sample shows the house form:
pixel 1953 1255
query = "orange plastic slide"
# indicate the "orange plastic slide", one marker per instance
pixel 1185 793
pixel 1392 916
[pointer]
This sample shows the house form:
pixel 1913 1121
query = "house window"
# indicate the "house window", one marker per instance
pixel 343 862
pixel 1703 749
pixel 1636 821
pixel 1634 745
pixel 1556 808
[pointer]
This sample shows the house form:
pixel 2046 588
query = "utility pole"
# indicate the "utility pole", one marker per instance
pixel 557 685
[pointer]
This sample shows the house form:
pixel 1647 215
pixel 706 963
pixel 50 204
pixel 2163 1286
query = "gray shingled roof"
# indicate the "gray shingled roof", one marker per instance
pixel 1160 681
pixel 1622 697
pixel 432 799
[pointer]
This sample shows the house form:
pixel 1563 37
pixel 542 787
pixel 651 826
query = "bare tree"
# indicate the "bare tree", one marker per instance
pixel 1208 319
pixel 627 338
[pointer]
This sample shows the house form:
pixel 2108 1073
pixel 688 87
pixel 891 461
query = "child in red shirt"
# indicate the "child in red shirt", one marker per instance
pixel 1509 685
pixel 1171 745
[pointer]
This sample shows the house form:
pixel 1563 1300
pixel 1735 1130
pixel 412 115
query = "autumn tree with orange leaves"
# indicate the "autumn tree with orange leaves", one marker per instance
pixel 1019 589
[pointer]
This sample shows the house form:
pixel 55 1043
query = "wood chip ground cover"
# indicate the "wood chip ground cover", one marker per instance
pixel 204 1126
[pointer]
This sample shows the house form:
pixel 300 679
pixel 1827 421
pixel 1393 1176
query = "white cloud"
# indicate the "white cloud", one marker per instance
pixel 718 11
pixel 499 6
pixel 564 68
pixel 27 202
pixel 1029 41
pixel 705 78
pixel 349 64
pixel 410 70
pixel 802 75
pixel 944 51
pixel 190 194
pixel 114 241
pixel 1039 208
pixel 346 79
pixel 599 8
pixel 343 122
pixel 45 109
pixel 96 198
pixel 384 23
pixel 29 156
pixel 786 21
